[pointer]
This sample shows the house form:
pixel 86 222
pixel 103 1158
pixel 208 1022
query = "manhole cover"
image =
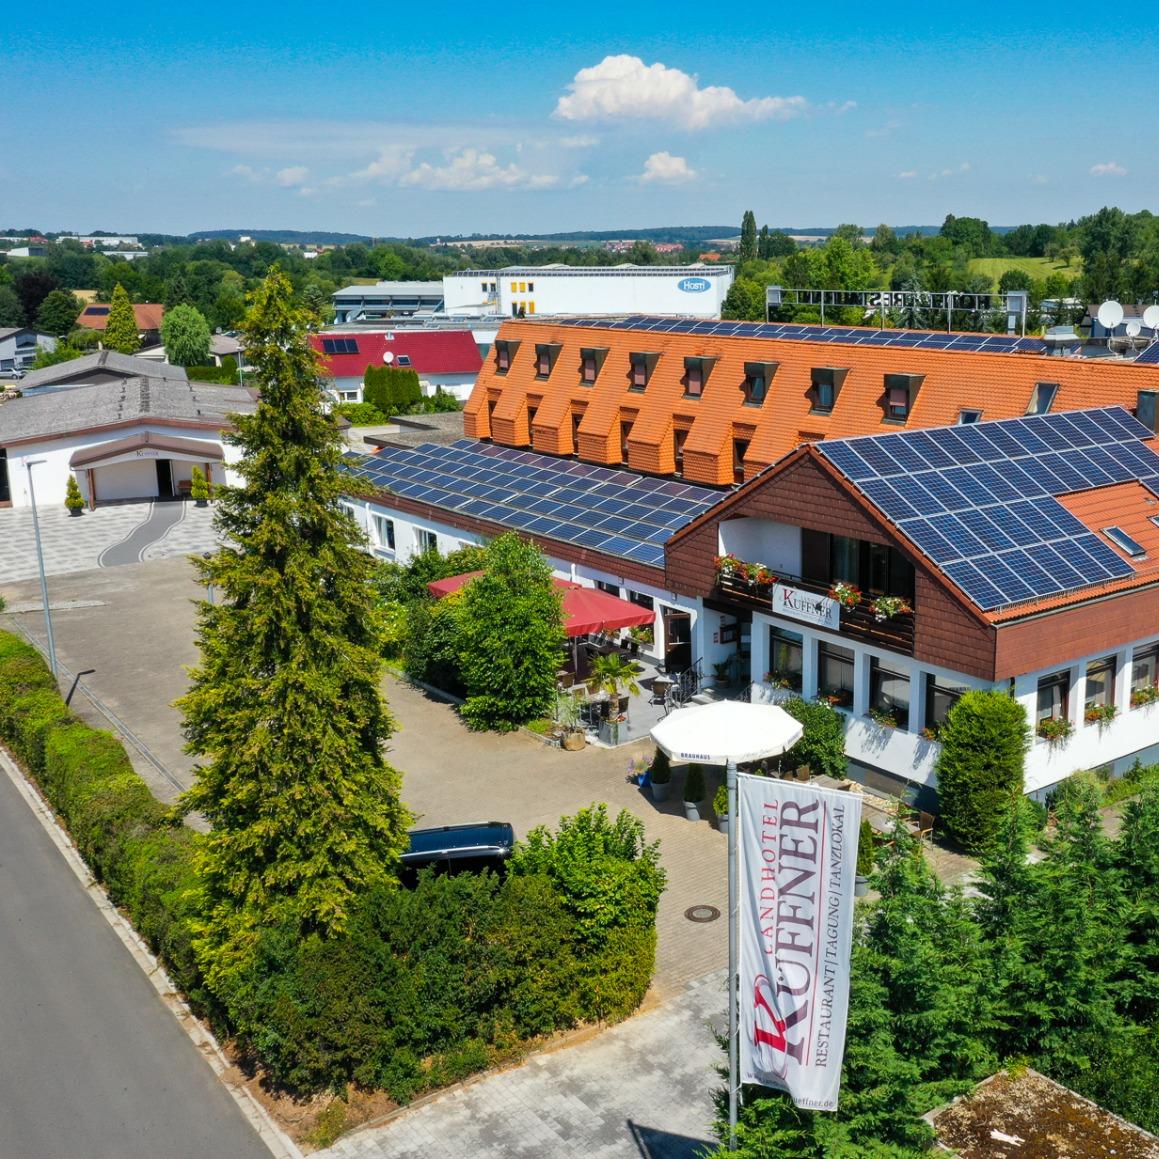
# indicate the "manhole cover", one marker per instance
pixel 702 913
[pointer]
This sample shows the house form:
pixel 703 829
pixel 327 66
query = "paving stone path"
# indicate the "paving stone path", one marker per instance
pixel 641 1090
pixel 81 544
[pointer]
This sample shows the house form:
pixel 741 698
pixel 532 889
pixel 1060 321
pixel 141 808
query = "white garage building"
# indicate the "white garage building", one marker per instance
pixel 135 438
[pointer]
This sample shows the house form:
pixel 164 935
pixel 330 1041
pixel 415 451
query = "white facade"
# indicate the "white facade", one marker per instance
pixel 349 389
pixel 697 291
pixel 903 751
pixel 398 536
pixel 130 476
pixel 19 347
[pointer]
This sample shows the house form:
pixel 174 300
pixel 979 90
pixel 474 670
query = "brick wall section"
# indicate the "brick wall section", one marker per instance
pixel 612 564
pixel 1056 638
pixel 805 492
pixel 1000 385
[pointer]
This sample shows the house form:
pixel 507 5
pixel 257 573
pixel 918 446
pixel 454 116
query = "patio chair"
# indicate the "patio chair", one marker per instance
pixel 926 822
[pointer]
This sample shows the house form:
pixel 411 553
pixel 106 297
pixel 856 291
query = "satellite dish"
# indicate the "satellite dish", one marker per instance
pixel 1110 315
pixel 388 357
pixel 1151 317
pixel 1133 328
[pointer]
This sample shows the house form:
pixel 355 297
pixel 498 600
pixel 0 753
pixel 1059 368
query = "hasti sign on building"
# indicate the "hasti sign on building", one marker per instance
pixel 694 285
pixel 809 608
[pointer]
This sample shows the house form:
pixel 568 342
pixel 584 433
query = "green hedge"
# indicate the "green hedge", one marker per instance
pixel 425 987
pixel 119 828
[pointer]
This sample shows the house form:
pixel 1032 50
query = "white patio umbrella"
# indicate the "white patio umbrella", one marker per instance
pixel 729 732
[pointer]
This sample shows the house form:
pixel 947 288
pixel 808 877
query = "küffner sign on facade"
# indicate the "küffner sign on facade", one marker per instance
pixel 797 857
pixel 796 604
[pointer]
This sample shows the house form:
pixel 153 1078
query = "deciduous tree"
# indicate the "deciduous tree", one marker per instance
pixel 186 335
pixel 284 709
pixel 58 312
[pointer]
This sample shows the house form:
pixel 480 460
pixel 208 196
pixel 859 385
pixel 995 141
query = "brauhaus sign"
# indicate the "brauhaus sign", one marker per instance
pixel 797 857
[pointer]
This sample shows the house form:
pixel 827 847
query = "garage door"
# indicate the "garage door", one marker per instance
pixel 127 481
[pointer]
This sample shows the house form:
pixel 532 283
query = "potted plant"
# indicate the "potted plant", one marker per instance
pixel 1148 694
pixel 615 674
pixel 847 595
pixel 886 607
pixel 1100 714
pixel 73 499
pixel 882 716
pixel 1055 729
pixel 198 487
pixel 726 565
pixel 567 712
pixel 694 791
pixel 720 808
pixel 661 776
pixel 864 859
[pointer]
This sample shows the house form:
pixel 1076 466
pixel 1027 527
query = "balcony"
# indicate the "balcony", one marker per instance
pixel 858 623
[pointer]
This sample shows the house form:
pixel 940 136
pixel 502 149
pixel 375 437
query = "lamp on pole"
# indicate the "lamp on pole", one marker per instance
pixel 29 464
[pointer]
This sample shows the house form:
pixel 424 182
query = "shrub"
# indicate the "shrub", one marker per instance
pixel 224 375
pixel 865 848
pixel 822 745
pixel 979 769
pixel 34 715
pixel 432 643
pixel 694 788
pixel 22 670
pixel 720 801
pixel 661 768
pixel 360 414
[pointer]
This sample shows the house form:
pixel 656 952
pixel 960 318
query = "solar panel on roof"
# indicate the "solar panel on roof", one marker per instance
pixel 986 510
pixel 1150 356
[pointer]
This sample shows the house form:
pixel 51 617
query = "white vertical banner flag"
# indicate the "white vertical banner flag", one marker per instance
pixel 797 852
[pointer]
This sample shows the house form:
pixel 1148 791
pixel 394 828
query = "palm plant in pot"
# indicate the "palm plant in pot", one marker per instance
pixel 661 776
pixel 567 716
pixel 694 792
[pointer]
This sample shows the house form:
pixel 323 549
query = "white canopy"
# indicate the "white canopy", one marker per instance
pixel 727 730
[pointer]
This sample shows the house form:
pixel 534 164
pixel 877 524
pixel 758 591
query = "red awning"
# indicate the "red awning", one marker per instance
pixel 584 609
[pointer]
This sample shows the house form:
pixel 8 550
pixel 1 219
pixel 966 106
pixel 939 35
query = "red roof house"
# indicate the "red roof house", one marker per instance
pixel 446 358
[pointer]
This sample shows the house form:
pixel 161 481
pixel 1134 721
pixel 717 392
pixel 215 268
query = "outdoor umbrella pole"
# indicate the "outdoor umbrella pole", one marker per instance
pixel 733 910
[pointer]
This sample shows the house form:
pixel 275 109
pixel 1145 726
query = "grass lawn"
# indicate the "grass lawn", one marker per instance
pixel 1038 268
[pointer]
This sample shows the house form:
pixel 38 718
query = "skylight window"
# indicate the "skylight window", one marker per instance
pixel 1042 398
pixel 1124 542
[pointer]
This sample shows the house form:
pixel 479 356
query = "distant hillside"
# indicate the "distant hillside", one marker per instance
pixel 288 236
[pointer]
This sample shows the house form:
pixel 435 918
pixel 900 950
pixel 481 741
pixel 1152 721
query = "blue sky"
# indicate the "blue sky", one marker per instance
pixel 418 119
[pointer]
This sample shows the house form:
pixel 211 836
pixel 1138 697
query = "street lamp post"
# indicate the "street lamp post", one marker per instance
pixel 29 464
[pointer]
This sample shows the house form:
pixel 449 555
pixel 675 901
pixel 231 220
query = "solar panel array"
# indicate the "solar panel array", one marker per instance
pixel 1150 355
pixel 980 501
pixel 607 510
pixel 846 335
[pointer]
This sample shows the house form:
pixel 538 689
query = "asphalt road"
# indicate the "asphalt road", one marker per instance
pixel 92 1065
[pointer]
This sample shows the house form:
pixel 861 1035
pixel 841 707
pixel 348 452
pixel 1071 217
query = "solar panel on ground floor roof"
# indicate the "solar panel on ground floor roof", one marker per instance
pixel 984 508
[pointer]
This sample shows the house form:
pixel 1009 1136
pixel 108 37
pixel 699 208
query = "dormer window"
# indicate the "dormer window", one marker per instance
pixel 591 363
pixel 505 349
pixel 545 355
pixel 757 376
pixel 901 392
pixel 642 366
pixel 1042 398
pixel 967 417
pixel 826 386
pixel 696 371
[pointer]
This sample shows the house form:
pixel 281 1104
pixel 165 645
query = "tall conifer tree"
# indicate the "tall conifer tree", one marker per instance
pixel 748 236
pixel 284 709
pixel 121 332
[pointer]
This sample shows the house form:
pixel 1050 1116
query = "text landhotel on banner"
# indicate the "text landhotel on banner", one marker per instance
pixel 797 858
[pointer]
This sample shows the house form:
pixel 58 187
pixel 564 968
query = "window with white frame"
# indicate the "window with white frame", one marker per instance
pixel 835 673
pixel 1145 675
pixel 383 532
pixel 888 695
pixel 426 540
pixel 1100 691
pixel 1053 696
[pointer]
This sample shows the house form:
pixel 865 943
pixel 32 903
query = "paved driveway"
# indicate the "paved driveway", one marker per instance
pixel 118 533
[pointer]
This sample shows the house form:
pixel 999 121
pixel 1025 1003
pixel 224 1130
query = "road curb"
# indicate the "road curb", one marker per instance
pixel 280 1145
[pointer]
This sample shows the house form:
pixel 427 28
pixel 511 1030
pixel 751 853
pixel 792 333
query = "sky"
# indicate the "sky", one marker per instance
pixel 415 120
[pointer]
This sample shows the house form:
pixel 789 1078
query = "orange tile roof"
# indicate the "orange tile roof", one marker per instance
pixel 1000 385
pixel 148 316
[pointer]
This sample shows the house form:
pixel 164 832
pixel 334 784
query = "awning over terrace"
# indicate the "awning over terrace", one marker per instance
pixel 585 610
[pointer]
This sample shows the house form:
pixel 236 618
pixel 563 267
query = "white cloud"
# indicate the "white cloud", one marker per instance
pixel 886 130
pixel 941 174
pixel 473 169
pixel 579 141
pixel 1040 179
pixel 625 88
pixel 1108 169
pixel 664 169
pixel 250 173
pixel 293 175
pixel 907 174
pixel 391 163
pixel 839 110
